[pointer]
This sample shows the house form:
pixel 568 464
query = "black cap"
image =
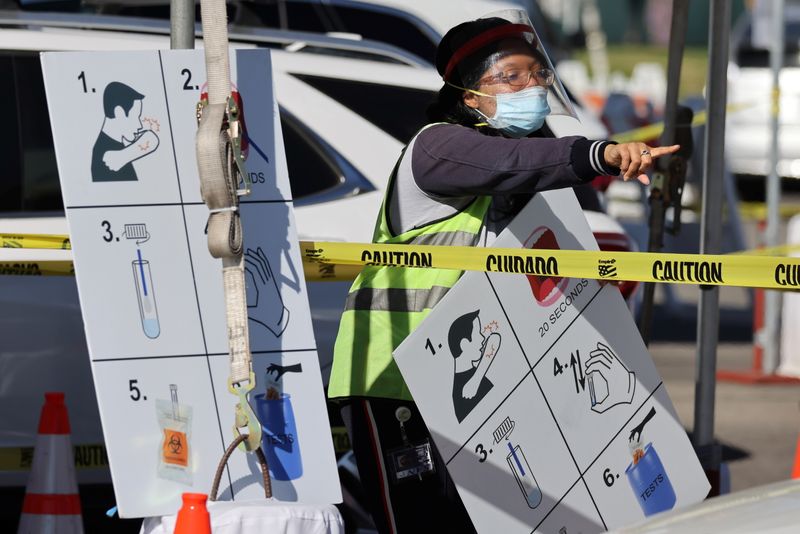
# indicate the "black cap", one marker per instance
pixel 459 35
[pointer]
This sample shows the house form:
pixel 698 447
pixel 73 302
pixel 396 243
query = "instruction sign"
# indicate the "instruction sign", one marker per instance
pixel 540 395
pixel 151 295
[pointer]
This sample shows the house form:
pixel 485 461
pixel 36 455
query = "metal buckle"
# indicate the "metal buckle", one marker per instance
pixel 244 416
pixel 235 136
pixel 234 130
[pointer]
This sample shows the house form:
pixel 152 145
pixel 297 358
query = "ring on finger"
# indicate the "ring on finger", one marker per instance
pixel 645 152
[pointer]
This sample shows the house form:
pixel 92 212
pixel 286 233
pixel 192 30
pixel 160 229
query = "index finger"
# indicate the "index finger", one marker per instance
pixel 659 151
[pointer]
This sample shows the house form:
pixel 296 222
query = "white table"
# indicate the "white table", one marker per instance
pixel 276 517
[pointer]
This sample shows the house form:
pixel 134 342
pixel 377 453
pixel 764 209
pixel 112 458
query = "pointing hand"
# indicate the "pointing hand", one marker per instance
pixel 635 159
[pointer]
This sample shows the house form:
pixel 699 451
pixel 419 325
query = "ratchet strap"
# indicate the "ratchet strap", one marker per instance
pixel 221 167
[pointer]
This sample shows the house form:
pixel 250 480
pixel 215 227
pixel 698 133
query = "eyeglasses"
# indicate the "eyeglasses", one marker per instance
pixel 519 78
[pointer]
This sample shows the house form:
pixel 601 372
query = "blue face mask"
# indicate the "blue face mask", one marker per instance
pixel 520 113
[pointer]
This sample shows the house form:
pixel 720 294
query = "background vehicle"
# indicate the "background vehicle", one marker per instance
pixel 413 25
pixel 773 508
pixel 320 94
pixel 45 336
pixel 325 86
pixel 748 135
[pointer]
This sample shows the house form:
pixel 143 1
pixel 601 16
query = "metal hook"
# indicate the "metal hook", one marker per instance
pixel 244 416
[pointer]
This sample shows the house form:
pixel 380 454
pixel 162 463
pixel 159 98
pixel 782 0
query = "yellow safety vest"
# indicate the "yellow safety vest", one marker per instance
pixel 385 304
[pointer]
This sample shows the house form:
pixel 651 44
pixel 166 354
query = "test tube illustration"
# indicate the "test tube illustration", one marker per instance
pixel 173 393
pixel 148 312
pixel 525 479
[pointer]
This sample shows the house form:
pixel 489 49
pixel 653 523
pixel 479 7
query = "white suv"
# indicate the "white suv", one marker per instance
pixel 347 108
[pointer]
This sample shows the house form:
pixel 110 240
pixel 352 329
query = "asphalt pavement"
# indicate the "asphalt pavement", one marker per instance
pixel 758 425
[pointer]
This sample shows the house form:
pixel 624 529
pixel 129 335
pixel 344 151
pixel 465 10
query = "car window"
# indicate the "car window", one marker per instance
pixel 29 180
pixel 10 182
pixel 398 111
pixel 299 15
pixel 30 175
pixel 323 17
pixel 311 170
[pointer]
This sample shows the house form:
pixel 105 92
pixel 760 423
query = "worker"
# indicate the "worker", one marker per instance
pixel 458 182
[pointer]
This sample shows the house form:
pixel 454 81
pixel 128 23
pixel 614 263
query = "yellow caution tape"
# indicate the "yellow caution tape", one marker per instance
pixel 758 210
pixel 720 270
pixel 35 241
pixel 37 268
pixel 654 131
pixel 94 456
pixel 329 272
pixel 86 457
pixel 324 261
pixel 780 250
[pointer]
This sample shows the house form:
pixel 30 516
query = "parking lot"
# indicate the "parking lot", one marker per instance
pixel 327 113
pixel 758 425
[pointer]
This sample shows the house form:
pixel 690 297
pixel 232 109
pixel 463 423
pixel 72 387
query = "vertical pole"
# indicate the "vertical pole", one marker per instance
pixel 772 299
pixel 711 238
pixel 181 24
pixel 655 241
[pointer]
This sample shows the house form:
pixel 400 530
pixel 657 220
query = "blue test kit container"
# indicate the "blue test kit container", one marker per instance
pixel 279 437
pixel 650 483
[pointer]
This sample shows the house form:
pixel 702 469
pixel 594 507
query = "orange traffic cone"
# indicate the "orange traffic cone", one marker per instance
pixel 193 517
pixel 51 498
pixel 796 469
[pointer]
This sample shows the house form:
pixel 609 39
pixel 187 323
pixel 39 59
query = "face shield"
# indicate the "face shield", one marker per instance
pixel 501 50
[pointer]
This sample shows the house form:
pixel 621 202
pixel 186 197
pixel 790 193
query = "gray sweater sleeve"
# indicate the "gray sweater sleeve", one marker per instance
pixel 453 160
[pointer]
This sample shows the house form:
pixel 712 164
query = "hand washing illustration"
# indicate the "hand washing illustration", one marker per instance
pixel 264 302
pixel 610 382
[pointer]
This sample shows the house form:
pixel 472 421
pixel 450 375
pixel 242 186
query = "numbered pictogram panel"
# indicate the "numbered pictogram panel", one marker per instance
pixel 595 377
pixel 111 127
pixel 576 512
pixel 520 453
pixel 546 303
pixel 296 435
pixel 277 301
pixel 475 359
pixel 155 420
pixel 184 77
pixel 152 302
pixel 130 264
pixel 540 325
pixel 638 465
pixel 591 378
